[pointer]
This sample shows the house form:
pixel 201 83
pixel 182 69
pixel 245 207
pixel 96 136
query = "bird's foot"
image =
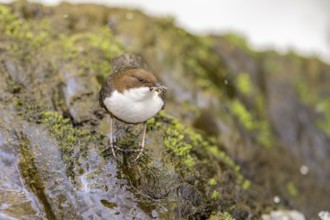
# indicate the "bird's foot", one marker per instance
pixel 140 152
pixel 112 147
pixel 126 150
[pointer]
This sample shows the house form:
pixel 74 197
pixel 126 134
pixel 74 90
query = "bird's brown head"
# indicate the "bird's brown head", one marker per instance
pixel 135 78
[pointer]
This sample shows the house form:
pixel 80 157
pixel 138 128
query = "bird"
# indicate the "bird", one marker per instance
pixel 131 94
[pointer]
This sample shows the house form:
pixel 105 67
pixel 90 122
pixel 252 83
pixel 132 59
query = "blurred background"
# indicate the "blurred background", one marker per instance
pixel 299 25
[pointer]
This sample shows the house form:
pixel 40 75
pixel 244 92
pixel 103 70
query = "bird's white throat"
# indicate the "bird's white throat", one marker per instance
pixel 134 105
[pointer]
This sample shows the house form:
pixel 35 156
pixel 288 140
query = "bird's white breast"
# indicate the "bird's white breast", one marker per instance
pixel 134 105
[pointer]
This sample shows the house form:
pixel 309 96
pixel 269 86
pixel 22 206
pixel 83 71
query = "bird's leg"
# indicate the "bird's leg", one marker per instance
pixel 143 140
pixel 114 147
pixel 111 137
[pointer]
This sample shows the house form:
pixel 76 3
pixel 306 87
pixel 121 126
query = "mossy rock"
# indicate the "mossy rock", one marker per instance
pixel 217 151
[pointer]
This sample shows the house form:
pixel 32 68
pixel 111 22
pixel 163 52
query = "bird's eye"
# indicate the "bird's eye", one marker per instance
pixel 140 79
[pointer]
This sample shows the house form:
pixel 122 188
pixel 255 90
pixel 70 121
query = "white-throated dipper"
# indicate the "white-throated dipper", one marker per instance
pixel 131 94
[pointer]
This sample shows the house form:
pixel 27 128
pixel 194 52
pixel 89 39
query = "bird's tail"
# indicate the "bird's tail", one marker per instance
pixel 127 61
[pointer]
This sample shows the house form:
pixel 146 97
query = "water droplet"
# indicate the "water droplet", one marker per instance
pixel 304 170
pixel 277 199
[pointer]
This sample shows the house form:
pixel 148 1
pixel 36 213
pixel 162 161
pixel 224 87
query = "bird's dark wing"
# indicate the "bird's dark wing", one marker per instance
pixel 105 91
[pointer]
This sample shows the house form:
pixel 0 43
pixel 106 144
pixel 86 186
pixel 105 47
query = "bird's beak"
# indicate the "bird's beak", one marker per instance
pixel 159 88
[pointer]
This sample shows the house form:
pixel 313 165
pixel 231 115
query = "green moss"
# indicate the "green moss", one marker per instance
pixel 238 41
pixel 103 67
pixel 70 139
pixel 100 45
pixel 194 56
pixel 221 216
pixel 61 129
pixel 23 38
pixel 129 140
pixel 292 189
pixel 102 40
pixel 13 87
pixel 243 83
pixel 222 156
pixel 255 117
pixel 9 23
pixel 215 195
pixel 174 143
pixel 183 143
pixel 212 182
pixel 23 34
pixel 225 216
pixel 181 140
pixel 242 114
pixel 153 124
pixel 309 97
pixel 192 63
pixel 265 137
pixel 246 184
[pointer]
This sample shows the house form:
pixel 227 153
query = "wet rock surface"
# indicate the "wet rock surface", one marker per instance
pixel 243 133
pixel 284 214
